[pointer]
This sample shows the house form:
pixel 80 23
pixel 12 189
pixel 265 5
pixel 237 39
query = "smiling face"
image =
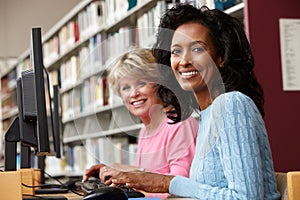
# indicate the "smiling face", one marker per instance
pixel 194 60
pixel 139 95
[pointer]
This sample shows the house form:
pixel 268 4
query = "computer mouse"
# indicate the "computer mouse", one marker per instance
pixel 106 193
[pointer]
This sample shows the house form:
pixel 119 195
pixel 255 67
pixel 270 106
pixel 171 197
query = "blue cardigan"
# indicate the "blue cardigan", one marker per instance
pixel 233 158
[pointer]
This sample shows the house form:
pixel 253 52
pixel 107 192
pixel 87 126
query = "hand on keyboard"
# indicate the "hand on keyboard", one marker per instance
pixel 95 184
pixel 90 185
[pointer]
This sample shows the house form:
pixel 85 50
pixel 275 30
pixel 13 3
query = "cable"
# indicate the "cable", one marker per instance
pixel 74 191
pixel 43 185
pixel 35 186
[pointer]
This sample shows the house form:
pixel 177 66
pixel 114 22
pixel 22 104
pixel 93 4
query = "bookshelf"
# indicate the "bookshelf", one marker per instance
pixel 77 51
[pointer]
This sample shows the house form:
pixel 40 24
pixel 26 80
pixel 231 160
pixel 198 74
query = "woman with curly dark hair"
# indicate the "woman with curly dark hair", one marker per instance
pixel 210 55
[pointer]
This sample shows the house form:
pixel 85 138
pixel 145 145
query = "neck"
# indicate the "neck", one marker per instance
pixel 204 99
pixel 153 120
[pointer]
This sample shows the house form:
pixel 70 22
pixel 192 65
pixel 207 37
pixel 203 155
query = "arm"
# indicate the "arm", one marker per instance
pixel 126 168
pixel 145 181
pixel 179 150
pixel 94 171
pixel 239 153
pixel 170 149
pixel 181 147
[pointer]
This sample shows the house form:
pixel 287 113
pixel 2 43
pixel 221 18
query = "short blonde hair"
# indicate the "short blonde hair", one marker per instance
pixel 138 62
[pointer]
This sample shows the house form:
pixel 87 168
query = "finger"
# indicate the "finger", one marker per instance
pixel 104 174
pixel 109 182
pixel 85 178
pixel 92 171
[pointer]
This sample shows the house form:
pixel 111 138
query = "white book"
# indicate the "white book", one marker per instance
pixel 91 152
pixel 106 153
pixel 120 148
pixel 79 158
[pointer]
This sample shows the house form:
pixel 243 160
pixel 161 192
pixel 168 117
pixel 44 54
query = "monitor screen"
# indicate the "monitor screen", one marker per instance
pixel 46 109
pixel 38 124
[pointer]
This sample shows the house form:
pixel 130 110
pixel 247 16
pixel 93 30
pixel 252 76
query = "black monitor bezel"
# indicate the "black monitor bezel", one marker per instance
pixel 36 59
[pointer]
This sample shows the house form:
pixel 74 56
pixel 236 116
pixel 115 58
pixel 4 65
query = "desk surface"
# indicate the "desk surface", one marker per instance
pixel 73 196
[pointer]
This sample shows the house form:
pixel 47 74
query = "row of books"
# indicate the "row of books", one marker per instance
pixel 91 94
pixel 115 9
pixel 80 27
pixel 88 22
pixel 8 82
pixel 105 150
pixel 69 34
pixel 8 104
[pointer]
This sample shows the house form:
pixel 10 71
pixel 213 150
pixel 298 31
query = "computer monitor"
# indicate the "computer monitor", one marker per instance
pixel 56 121
pixel 41 95
pixel 35 122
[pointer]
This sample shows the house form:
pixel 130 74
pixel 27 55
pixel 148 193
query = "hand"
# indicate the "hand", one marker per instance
pixel 107 172
pixel 126 168
pixel 93 171
pixel 146 181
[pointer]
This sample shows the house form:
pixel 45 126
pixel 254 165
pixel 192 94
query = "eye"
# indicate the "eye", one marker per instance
pixel 142 83
pixel 175 51
pixel 198 49
pixel 124 87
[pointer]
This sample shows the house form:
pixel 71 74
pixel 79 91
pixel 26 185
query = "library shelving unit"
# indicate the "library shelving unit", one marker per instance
pixel 77 51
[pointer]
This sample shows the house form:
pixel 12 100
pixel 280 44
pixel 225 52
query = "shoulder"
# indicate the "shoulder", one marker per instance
pixel 233 101
pixel 232 97
pixel 234 106
pixel 189 122
pixel 190 125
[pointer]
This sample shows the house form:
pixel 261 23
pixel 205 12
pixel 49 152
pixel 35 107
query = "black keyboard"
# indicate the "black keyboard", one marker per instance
pixel 52 191
pixel 94 184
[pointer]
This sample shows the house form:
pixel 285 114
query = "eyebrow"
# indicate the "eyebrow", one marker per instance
pixel 191 44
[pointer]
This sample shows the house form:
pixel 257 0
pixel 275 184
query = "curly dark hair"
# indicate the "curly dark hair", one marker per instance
pixel 230 41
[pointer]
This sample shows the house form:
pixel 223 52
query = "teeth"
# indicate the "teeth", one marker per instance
pixel 191 73
pixel 138 102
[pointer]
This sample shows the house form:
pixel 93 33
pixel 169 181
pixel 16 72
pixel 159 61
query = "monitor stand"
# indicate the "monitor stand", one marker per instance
pixel 12 137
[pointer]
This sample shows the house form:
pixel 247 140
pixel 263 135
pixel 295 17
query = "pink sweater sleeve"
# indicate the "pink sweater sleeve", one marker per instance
pixel 170 150
pixel 181 151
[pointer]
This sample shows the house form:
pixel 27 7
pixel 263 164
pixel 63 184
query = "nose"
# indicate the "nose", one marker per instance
pixel 184 59
pixel 134 92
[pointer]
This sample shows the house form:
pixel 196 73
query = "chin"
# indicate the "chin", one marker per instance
pixel 186 86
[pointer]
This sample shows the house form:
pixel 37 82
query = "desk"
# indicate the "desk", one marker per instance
pixel 73 196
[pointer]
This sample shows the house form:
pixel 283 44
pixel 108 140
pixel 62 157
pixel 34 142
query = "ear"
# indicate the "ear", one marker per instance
pixel 220 61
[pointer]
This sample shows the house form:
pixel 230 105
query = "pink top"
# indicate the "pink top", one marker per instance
pixel 170 149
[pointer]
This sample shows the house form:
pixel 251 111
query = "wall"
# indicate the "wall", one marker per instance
pixel 282 108
pixel 18 17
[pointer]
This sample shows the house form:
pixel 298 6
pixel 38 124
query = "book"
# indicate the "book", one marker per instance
pixel 113 150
